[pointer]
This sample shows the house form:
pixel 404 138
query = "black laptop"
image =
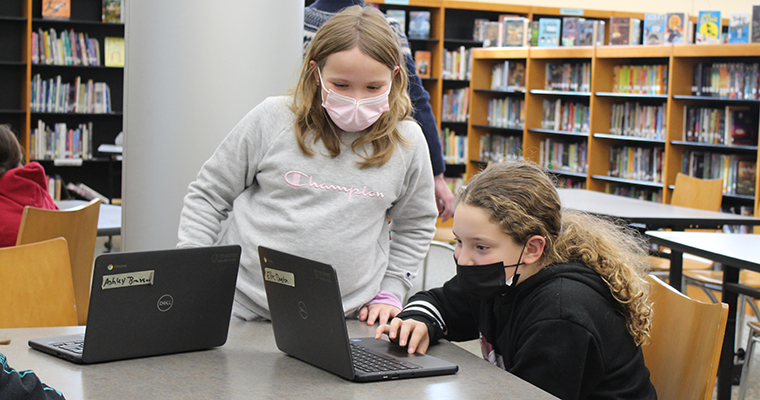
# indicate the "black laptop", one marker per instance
pixel 309 324
pixel 150 303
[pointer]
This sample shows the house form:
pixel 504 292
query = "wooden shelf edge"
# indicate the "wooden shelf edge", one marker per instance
pixel 500 53
pixel 639 51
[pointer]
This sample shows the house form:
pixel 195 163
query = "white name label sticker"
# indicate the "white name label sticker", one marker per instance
pixel 280 277
pixel 127 280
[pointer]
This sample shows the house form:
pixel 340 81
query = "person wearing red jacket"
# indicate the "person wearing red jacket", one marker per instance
pixel 20 186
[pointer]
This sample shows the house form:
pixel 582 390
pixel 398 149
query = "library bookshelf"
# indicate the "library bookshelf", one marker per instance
pixel 451 31
pixel 665 138
pixel 20 20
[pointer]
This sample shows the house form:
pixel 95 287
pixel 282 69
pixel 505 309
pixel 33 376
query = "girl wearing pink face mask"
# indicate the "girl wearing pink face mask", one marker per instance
pixel 319 173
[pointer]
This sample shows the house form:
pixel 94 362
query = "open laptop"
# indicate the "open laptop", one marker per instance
pixel 309 324
pixel 153 302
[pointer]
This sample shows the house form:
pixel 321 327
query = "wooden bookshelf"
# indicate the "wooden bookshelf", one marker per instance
pixel 18 19
pixel 680 60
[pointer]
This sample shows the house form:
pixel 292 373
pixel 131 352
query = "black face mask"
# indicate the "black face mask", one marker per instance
pixel 487 281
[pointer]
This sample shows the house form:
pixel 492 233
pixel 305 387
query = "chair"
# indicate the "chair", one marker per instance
pixel 79 226
pixel 693 193
pixel 754 337
pixel 687 337
pixel 36 289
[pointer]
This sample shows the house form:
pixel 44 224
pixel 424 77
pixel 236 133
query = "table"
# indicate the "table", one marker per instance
pixel 653 216
pixel 734 252
pixel 109 218
pixel 250 366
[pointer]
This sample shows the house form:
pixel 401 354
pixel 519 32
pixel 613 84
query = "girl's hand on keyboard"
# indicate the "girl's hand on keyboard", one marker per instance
pixel 407 333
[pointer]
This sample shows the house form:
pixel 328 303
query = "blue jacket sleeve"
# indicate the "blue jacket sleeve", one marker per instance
pixel 423 114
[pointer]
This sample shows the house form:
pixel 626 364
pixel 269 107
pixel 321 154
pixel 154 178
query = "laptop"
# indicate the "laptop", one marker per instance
pixel 150 303
pixel 309 324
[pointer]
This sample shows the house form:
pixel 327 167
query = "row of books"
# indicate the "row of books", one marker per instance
pixel 729 125
pixel 741 210
pixel 638 120
pixel 575 31
pixel 497 148
pixel 454 147
pixel 60 141
pixel 457 64
pixel 640 79
pixel 563 155
pixel 66 48
pixel 54 96
pixel 509 31
pixel 726 80
pixel 572 77
pixel 508 76
pixel 635 192
pixel 637 163
pixel 737 172
pixel 571 182
pixel 568 116
pixel 419 22
pixel 61 9
pixel 506 113
pixel 455 105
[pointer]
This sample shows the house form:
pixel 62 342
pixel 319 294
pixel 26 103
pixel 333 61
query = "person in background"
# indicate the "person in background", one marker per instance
pixel 320 173
pixel 20 186
pixel 557 297
pixel 316 14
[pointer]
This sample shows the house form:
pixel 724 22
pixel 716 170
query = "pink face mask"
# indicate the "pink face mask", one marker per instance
pixel 352 115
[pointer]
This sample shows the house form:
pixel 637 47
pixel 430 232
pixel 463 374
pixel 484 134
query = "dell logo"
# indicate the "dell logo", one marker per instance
pixel 165 303
pixel 302 310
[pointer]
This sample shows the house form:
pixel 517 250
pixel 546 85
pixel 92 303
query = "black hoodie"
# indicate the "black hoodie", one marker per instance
pixel 560 330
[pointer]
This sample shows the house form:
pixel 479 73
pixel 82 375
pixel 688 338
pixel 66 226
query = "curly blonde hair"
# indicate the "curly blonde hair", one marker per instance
pixel 367 29
pixel 522 199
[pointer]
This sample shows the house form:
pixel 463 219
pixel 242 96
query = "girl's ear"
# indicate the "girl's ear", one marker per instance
pixel 534 249
pixel 395 70
pixel 315 74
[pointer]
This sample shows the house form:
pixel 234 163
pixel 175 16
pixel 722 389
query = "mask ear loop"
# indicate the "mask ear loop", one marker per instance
pixel 516 276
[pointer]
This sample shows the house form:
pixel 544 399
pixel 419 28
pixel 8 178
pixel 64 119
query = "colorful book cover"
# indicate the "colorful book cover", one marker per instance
pixel 742 126
pixel 422 61
pixel 676 31
pixel 419 24
pixel 708 27
pixel 755 29
pixel 114 50
pixel 479 31
pixel 654 29
pixel 533 28
pixel 745 177
pixel 738 27
pixel 492 35
pixel 586 32
pixel 548 32
pixel 570 31
pixel 399 16
pixel 56 9
pixel 620 31
pixel 515 32
pixel 112 11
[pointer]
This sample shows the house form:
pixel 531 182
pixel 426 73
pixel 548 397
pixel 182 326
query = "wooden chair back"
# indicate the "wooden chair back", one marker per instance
pixel 687 337
pixel 79 226
pixel 704 194
pixel 36 289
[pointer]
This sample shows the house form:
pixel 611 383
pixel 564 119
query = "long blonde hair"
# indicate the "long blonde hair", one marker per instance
pixel 523 201
pixel 364 28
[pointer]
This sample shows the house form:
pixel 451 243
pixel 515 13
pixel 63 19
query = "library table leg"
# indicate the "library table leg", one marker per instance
pixel 726 368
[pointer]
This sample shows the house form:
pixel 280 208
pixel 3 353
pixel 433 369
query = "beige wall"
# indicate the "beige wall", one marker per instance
pixel 659 6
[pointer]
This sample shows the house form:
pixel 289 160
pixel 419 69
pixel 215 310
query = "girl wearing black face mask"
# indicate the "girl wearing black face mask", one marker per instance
pixel 556 297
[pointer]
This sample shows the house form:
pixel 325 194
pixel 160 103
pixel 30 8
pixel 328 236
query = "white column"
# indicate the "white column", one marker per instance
pixel 193 70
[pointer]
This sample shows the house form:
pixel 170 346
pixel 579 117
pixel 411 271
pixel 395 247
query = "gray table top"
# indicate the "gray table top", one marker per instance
pixel 250 366
pixel 739 251
pixel 653 215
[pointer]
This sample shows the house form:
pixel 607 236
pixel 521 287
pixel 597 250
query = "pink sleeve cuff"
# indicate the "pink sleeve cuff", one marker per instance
pixel 386 297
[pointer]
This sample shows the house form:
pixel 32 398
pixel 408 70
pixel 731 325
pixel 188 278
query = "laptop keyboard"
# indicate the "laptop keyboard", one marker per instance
pixel 368 361
pixel 74 346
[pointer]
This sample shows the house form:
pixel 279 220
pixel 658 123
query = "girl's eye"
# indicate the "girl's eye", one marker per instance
pixel 339 85
pixel 481 247
pixel 373 87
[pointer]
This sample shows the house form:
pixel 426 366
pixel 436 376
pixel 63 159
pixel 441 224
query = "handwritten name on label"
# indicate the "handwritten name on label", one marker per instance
pixel 281 277
pixel 128 279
